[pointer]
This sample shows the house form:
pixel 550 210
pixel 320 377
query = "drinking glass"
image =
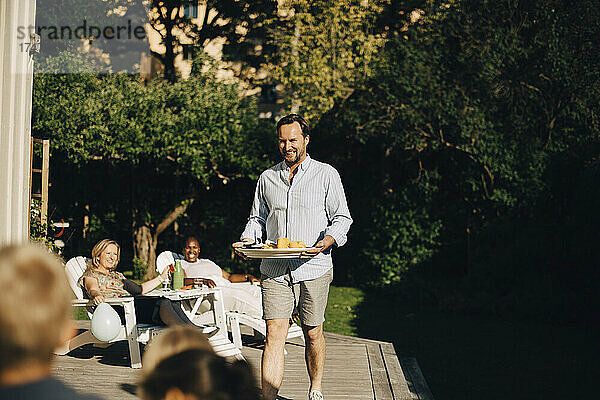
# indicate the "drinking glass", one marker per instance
pixel 167 282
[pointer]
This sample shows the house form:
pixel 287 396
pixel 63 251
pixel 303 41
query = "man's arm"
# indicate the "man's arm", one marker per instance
pixel 238 278
pixel 337 210
pixel 338 215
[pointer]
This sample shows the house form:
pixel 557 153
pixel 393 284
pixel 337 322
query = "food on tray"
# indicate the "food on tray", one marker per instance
pixel 283 243
pixel 283 248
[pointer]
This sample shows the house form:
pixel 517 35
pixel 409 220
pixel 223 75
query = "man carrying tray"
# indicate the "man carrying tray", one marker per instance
pixel 301 199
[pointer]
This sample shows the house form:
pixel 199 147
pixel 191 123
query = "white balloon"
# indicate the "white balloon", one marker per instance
pixel 106 323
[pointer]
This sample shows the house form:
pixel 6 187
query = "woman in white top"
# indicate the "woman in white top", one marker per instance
pixel 239 292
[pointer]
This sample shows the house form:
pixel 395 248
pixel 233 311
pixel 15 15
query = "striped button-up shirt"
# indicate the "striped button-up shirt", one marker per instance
pixel 311 206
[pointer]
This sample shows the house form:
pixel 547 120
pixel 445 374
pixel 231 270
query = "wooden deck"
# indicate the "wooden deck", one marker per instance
pixel 355 368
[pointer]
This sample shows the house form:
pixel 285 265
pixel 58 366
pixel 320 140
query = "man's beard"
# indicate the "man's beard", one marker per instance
pixel 295 159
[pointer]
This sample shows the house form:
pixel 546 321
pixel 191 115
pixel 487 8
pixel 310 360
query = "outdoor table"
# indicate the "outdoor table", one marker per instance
pixel 195 296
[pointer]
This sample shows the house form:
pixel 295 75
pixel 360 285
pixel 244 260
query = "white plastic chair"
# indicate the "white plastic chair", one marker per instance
pixel 132 331
pixel 234 319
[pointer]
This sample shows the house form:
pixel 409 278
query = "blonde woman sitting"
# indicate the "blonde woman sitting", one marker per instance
pixel 101 280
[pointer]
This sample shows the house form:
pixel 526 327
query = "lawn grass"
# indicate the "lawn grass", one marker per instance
pixel 340 314
pixel 80 313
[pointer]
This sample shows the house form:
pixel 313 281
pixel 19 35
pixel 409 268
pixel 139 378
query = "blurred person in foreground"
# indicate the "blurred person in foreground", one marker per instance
pixel 198 375
pixel 180 364
pixel 35 319
pixel 171 341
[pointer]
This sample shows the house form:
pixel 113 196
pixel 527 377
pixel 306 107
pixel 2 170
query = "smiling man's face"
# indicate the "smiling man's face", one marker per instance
pixel 192 250
pixel 292 145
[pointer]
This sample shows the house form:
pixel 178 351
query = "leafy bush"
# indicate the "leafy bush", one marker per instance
pixel 128 153
pixel 38 229
pixel 139 268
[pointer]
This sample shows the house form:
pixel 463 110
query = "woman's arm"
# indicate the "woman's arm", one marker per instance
pixel 154 282
pixel 132 288
pixel 93 290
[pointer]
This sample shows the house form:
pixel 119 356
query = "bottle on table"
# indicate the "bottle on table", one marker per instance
pixel 177 276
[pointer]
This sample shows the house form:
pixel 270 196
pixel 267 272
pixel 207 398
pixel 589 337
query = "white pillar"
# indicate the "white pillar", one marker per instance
pixel 16 78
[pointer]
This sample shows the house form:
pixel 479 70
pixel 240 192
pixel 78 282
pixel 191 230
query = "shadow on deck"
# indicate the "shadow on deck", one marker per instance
pixel 355 368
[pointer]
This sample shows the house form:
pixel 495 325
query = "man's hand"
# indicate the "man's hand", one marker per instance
pixel 204 281
pixel 238 245
pixel 252 279
pixel 320 246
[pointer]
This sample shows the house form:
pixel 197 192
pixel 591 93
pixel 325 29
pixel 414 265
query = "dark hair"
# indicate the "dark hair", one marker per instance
pixel 190 238
pixel 202 374
pixel 290 119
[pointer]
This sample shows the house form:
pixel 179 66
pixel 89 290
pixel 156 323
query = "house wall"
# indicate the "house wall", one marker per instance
pixel 16 77
pixel 151 67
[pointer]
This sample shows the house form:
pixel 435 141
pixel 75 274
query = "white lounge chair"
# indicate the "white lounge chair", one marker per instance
pixel 234 319
pixel 135 333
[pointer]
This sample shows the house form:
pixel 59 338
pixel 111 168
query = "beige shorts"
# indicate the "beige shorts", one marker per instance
pixel 310 297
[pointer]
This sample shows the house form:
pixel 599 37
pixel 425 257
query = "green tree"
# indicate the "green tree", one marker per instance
pixel 456 128
pixel 143 153
pixel 325 50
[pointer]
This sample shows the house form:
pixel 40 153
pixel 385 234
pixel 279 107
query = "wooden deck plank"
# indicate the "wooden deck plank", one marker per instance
pixel 336 337
pixel 355 369
pixel 395 374
pixel 337 381
pixel 411 372
pixel 415 378
pixel 104 372
pixel 380 382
